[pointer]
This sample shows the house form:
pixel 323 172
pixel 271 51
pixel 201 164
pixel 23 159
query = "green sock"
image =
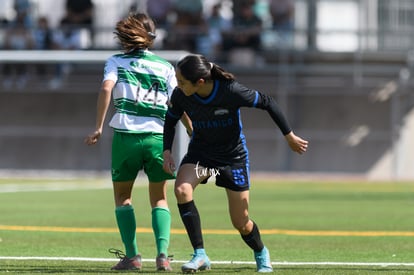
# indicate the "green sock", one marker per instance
pixel 125 217
pixel 161 225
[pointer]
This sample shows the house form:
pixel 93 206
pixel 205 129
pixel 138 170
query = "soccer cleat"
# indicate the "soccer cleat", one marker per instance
pixel 263 263
pixel 134 263
pixel 200 261
pixel 163 263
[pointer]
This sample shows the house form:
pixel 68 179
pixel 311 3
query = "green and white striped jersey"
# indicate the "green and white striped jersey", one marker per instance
pixel 143 83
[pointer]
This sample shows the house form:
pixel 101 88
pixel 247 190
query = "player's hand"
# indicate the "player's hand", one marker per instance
pixel 93 138
pixel 168 165
pixel 296 143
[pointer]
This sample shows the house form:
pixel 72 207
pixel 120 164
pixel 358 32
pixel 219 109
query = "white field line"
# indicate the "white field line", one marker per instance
pixel 213 262
pixel 15 186
pixel 58 186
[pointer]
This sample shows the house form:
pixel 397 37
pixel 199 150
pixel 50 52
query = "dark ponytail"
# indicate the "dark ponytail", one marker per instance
pixel 194 67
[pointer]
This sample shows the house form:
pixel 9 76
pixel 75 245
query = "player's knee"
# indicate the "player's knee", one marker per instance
pixel 182 192
pixel 242 225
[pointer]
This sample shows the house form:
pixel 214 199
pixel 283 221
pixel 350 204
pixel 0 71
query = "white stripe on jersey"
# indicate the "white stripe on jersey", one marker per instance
pixel 136 124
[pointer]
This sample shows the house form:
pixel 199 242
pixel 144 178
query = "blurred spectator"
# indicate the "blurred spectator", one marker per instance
pixel 43 34
pixel 282 13
pixel 243 40
pixel 79 15
pixel 3 18
pixel 238 5
pixel 217 24
pixel 188 26
pixel 17 37
pixel 66 37
pixel 245 31
pixel 3 22
pixel 79 12
pixel 188 11
pixel 159 11
pixel 43 40
pixel 23 9
pixel 133 8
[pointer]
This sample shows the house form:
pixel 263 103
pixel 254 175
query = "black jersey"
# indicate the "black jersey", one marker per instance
pixel 217 127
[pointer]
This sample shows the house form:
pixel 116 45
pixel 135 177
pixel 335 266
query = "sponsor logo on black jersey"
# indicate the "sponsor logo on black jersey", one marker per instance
pixel 221 112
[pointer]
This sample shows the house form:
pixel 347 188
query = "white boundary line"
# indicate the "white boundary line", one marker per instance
pixel 213 262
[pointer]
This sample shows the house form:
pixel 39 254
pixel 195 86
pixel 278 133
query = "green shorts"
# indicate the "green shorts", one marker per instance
pixel 134 152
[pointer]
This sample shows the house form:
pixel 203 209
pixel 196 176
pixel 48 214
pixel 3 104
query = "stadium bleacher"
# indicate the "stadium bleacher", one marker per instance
pixel 355 107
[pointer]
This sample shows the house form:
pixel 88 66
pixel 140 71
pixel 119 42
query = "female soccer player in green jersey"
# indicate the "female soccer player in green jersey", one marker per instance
pixel 140 83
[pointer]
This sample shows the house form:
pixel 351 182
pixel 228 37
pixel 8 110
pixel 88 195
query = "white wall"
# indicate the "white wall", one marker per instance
pixel 338 23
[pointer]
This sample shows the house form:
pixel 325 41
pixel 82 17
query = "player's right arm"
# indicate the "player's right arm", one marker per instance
pixel 104 99
pixel 168 164
pixel 186 121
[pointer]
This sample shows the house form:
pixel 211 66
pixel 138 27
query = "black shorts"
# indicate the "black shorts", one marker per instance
pixel 233 176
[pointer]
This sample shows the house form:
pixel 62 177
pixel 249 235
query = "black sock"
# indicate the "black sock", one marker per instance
pixel 253 239
pixel 191 219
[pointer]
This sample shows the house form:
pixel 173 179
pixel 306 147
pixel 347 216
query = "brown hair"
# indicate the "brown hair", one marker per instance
pixel 137 31
pixel 195 66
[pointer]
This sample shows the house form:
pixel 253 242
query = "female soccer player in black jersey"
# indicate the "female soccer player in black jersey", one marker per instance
pixel 212 99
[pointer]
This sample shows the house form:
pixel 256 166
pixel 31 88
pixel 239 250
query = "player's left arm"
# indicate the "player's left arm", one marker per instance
pixel 259 100
pixel 296 143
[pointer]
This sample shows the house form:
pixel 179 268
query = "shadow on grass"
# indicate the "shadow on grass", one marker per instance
pixel 23 267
